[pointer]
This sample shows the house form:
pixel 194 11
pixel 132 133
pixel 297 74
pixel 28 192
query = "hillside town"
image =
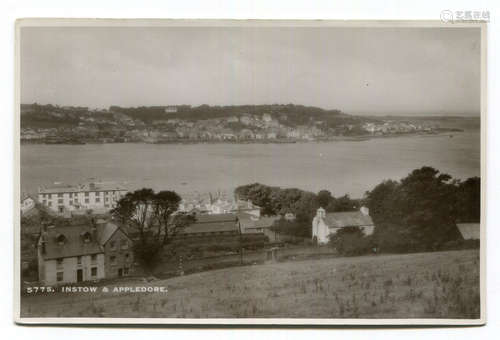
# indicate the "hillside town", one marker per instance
pixel 78 125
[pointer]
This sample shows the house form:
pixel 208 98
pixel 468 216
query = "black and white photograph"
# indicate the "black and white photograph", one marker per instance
pixel 250 172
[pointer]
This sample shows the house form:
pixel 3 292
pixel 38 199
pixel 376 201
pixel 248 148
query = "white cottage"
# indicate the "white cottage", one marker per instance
pixel 326 224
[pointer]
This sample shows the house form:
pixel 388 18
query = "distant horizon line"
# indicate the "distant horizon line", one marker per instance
pixel 366 114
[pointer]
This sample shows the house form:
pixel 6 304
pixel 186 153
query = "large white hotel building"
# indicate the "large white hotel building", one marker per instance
pixel 62 198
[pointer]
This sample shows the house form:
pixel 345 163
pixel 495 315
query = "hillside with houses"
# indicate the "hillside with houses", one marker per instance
pixel 52 124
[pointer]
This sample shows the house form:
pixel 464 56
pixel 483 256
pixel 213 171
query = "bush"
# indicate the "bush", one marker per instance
pixel 351 241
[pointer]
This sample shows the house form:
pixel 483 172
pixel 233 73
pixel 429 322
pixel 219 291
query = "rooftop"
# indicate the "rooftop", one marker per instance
pixel 248 221
pixel 69 241
pixel 348 219
pixel 105 231
pixel 213 223
pixel 84 187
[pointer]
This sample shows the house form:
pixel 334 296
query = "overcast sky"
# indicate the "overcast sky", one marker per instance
pixel 410 71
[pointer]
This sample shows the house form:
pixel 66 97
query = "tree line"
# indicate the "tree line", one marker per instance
pixel 420 212
pixel 302 204
pixel 417 213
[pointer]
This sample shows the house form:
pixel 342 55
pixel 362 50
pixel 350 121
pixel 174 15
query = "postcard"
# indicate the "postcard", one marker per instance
pixel 250 172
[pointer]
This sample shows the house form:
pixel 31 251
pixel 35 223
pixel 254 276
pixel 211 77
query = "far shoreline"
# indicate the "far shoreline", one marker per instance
pixel 362 138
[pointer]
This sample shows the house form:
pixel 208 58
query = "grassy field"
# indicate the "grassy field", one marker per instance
pixel 425 285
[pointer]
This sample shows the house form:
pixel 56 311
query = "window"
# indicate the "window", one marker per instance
pixel 60 276
pixel 93 258
pixel 86 200
pixel 124 244
pixel 125 270
pixel 59 195
pixel 93 271
pixel 112 245
pixel 87 237
pixel 79 260
pixel 97 199
pixel 60 201
pixel 50 204
pixel 59 263
pixel 127 257
pixel 86 194
pixel 112 259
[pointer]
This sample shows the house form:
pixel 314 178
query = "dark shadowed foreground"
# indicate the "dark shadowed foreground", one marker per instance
pixel 424 285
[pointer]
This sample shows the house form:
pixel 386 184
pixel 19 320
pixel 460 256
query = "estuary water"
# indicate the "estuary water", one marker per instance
pixel 351 167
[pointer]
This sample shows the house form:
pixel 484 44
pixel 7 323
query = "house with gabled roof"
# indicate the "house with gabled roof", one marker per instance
pixel 117 246
pixel 77 253
pixel 326 224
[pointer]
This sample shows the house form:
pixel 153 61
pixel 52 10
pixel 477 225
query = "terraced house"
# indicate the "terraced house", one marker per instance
pixel 80 253
pixel 99 196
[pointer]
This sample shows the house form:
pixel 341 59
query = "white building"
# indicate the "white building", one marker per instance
pixel 61 198
pixel 171 109
pixel 326 224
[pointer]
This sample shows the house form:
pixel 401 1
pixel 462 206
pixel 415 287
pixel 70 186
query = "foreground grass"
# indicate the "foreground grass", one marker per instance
pixel 425 285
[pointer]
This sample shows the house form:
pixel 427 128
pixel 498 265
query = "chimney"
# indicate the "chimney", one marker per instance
pixel 43 228
pixel 44 250
pixel 365 211
pixel 320 212
pixel 43 241
pixel 94 229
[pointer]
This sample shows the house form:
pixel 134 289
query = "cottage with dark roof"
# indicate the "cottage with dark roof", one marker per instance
pixel 326 224
pixel 79 253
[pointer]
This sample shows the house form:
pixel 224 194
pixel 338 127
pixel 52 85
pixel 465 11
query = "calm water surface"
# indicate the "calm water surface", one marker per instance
pixel 341 167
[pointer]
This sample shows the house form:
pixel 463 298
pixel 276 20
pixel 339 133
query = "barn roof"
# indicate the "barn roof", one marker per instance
pixel 469 231
pixel 248 221
pixel 348 219
pixel 212 223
